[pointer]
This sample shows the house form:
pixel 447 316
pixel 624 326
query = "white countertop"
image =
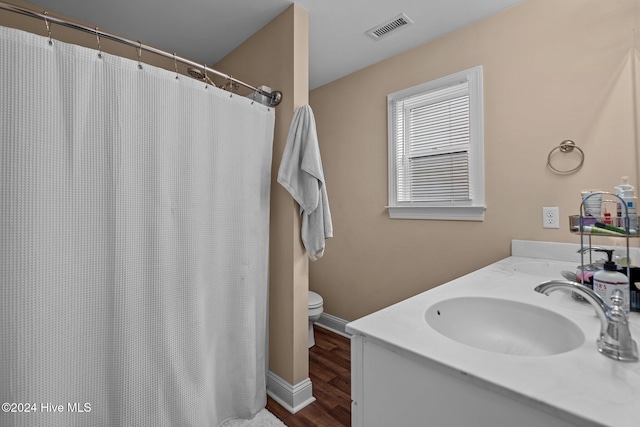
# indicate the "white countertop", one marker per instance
pixel 578 385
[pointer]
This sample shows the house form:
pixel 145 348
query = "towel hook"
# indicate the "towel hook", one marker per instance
pixel 566 146
pixel 99 47
pixel 48 24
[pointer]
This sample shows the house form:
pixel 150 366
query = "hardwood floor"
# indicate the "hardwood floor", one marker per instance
pixel 330 374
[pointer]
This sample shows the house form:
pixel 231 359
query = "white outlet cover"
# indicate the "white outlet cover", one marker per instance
pixel 550 217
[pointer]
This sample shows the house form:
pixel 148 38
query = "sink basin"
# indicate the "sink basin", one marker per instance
pixel 504 326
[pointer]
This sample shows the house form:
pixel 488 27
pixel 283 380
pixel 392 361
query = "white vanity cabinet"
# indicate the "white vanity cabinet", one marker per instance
pixel 391 387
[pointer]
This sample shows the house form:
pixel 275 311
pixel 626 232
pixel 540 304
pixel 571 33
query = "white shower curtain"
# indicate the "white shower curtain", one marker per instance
pixel 134 212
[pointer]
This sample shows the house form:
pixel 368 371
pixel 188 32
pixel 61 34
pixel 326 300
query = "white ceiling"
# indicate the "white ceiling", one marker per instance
pixel 206 30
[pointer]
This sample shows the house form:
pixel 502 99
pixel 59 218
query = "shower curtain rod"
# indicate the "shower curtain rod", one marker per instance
pixel 274 97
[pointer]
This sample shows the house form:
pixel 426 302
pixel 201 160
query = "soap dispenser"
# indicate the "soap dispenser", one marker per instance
pixel 608 280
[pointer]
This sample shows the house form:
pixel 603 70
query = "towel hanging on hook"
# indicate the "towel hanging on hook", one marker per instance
pixel 566 146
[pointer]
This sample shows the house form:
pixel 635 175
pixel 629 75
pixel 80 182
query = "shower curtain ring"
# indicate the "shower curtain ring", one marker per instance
pixel 175 64
pixel 139 54
pixel 99 47
pixel 206 78
pixel 48 24
pixel 233 86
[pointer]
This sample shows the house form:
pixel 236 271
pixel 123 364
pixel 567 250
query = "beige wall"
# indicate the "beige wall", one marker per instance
pixel 636 80
pixel 553 70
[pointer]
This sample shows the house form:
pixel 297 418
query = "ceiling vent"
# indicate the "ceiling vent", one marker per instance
pixel 389 27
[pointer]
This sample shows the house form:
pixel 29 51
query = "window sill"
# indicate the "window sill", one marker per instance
pixel 452 213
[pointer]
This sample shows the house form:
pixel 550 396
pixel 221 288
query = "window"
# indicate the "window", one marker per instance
pixel 436 154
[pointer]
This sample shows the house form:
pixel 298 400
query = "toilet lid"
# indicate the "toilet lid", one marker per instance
pixel 315 300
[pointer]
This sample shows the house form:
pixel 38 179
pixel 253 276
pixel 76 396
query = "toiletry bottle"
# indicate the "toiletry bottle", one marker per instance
pixel 626 192
pixel 607 280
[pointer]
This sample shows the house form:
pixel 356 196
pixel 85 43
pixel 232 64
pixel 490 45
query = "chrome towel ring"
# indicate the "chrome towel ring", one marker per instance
pixel 566 146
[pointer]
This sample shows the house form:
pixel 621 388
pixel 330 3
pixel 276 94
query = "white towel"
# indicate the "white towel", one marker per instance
pixel 302 175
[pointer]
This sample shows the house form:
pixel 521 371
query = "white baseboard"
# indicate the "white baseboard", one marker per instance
pixel 334 324
pixel 292 397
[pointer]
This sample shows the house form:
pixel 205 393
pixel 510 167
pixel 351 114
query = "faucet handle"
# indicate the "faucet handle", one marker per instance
pixel 616 310
pixel 617 298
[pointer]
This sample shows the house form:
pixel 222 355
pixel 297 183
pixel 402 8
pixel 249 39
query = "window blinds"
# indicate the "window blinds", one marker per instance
pixel 432 143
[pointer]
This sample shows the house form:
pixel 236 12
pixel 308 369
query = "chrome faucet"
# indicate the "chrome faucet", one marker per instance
pixel 615 338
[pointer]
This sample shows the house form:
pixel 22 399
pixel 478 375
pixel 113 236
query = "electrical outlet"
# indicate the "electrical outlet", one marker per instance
pixel 551 217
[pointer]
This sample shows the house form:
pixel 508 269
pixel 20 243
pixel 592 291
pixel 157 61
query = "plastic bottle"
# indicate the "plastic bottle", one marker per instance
pixel 627 193
pixel 607 280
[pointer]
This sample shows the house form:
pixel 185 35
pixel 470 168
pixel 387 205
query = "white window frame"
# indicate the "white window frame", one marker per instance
pixel 471 210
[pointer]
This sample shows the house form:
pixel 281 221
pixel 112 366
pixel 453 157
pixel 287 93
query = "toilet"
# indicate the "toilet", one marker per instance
pixel 315 310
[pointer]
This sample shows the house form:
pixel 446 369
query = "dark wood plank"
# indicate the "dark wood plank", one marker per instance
pixel 330 374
